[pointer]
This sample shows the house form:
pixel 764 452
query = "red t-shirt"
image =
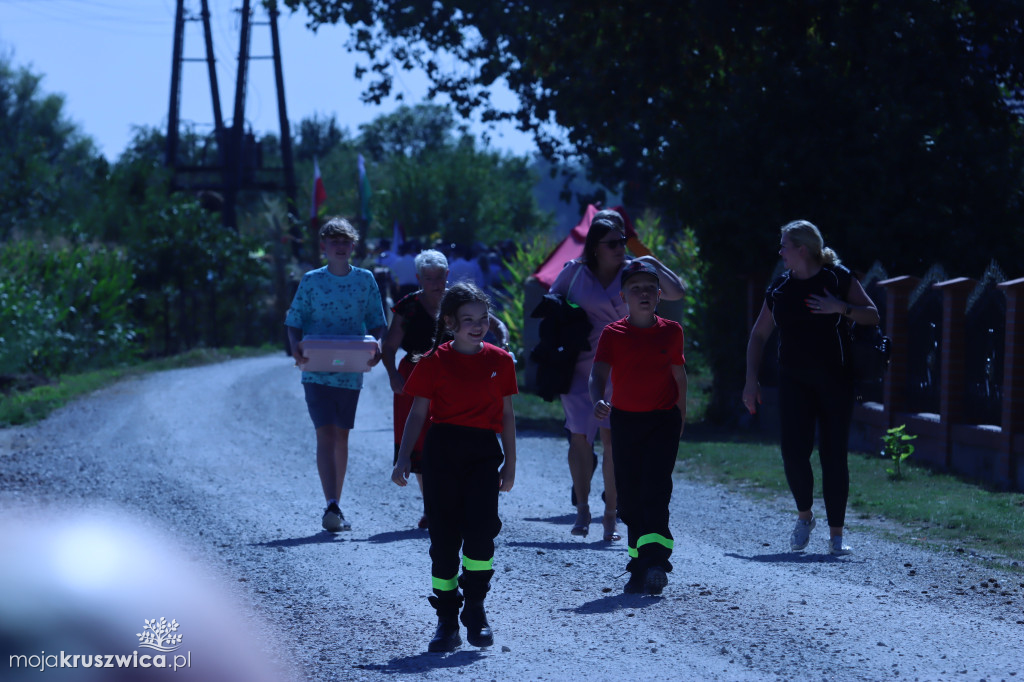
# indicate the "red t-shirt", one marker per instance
pixel 640 358
pixel 467 390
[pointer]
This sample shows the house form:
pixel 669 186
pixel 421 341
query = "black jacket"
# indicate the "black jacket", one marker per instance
pixel 564 330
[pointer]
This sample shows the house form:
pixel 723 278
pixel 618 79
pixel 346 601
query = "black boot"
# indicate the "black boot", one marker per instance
pixel 446 637
pixel 478 632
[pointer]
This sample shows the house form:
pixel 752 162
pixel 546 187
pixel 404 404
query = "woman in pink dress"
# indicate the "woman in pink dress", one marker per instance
pixel 592 282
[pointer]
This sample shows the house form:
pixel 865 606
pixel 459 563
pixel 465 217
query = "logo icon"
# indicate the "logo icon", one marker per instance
pixel 159 635
pixel 494 374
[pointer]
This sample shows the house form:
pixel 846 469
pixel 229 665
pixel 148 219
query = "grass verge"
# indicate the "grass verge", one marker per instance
pixel 26 407
pixel 923 507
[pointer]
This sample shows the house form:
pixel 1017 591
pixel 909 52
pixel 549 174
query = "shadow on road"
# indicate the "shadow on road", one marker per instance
pixel 322 537
pixel 426 661
pixel 396 536
pixel 600 545
pixel 615 602
pixel 789 558
pixel 563 520
pixel 325 538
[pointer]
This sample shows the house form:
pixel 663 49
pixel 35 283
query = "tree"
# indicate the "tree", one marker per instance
pixel 885 123
pixel 316 137
pixel 410 132
pixel 428 174
pixel 434 180
pixel 48 168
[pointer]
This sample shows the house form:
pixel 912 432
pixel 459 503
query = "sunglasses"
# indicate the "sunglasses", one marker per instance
pixel 614 243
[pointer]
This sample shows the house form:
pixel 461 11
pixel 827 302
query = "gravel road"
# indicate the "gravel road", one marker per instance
pixel 217 462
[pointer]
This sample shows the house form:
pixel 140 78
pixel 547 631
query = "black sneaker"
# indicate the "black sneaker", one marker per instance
pixel 655 581
pixel 635 584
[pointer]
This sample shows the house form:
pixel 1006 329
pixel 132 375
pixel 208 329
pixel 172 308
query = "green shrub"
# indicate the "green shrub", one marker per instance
pixel 198 284
pixel 681 254
pixel 896 447
pixel 63 308
pixel 521 265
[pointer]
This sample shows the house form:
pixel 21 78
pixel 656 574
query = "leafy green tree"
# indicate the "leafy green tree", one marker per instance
pixel 461 194
pixel 410 132
pixel 885 123
pixel 195 282
pixel 317 137
pixel 429 175
pixel 49 170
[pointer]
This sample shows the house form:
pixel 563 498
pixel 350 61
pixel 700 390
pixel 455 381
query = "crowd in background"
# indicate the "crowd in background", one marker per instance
pixel 483 265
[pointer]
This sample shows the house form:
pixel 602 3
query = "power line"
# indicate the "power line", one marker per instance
pixel 126 19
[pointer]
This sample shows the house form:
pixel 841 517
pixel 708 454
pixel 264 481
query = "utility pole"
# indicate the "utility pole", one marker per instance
pixel 239 164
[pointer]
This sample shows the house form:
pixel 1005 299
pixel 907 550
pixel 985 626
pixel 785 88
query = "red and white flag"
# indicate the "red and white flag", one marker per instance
pixel 319 195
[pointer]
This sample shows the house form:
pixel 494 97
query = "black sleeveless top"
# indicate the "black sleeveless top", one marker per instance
pixel 418 327
pixel 808 340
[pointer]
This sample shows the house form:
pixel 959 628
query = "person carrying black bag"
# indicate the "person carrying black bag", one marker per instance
pixel 810 304
pixel 592 282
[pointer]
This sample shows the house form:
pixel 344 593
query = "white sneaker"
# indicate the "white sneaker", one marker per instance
pixel 333 520
pixel 836 546
pixel 802 533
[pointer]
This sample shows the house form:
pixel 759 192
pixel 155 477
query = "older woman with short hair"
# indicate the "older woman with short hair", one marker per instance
pixel 412 330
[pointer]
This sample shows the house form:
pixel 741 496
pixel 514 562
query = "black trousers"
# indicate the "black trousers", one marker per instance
pixel 645 446
pixel 822 400
pixel 460 495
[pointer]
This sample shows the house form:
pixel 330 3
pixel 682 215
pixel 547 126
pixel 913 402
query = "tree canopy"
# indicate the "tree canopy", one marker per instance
pixel 736 116
pixel 428 174
pixel 885 123
pixel 49 169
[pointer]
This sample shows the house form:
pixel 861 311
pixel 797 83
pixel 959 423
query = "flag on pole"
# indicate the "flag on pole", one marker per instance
pixel 319 196
pixel 364 192
pixel 397 236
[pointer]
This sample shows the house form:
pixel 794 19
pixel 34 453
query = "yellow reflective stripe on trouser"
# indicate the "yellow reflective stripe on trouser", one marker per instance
pixel 654 537
pixel 445 585
pixel 474 565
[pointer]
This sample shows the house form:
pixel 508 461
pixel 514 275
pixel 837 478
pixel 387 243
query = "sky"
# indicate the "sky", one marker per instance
pixel 111 59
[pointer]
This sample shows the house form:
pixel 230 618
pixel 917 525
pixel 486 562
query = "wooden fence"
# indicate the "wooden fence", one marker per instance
pixel 962 436
pixel 956 378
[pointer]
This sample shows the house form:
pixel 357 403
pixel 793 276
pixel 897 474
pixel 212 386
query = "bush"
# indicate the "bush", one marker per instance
pixel 198 284
pixel 522 263
pixel 63 308
pixel 680 254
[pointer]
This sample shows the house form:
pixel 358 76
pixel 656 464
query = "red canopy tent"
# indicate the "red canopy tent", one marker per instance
pixel 572 246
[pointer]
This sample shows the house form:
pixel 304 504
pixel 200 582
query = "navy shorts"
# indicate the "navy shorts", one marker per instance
pixel 331 405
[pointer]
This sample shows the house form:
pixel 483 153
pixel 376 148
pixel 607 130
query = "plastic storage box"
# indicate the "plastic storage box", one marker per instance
pixel 338 353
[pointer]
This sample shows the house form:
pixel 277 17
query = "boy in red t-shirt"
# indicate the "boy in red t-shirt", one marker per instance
pixel 643 355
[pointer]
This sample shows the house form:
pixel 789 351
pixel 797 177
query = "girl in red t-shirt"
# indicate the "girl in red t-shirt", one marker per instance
pixel 465 386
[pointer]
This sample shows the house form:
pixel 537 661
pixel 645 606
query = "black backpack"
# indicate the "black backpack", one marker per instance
pixel 867 357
